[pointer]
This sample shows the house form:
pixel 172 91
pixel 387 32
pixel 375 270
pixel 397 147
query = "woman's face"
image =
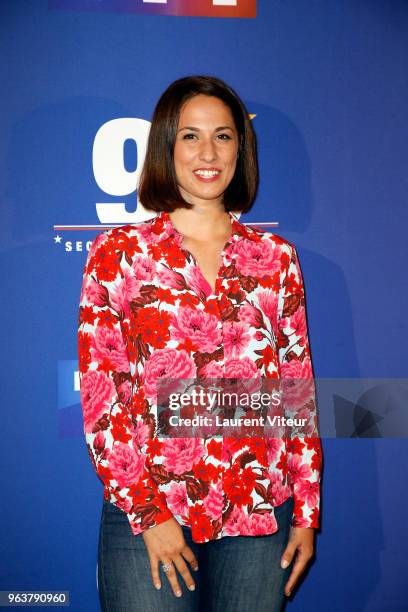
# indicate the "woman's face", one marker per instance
pixel 205 151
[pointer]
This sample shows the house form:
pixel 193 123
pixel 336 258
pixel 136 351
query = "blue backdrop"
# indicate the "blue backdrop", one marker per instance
pixel 327 84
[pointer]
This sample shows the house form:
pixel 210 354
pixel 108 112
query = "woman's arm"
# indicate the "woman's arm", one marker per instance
pixel 106 390
pixel 304 453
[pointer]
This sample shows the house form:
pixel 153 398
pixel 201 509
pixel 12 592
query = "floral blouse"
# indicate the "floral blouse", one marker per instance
pixel 146 311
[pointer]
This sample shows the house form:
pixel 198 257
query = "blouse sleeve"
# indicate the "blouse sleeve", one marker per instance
pixel 112 431
pixel 304 453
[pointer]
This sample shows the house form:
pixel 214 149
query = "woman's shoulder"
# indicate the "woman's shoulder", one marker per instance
pixel 276 239
pixel 121 234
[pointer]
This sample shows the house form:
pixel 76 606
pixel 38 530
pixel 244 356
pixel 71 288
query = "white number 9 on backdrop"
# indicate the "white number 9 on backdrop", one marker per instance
pixel 109 167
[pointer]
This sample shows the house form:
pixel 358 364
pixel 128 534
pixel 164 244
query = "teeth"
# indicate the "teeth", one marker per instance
pixel 207 173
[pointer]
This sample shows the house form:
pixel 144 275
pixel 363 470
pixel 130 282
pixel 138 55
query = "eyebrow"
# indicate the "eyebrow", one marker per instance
pixel 194 129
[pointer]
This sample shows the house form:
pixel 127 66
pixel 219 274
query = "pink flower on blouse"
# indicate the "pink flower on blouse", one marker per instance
pixel 297 385
pixel 268 302
pixel 94 293
pixel 297 469
pixel 180 454
pixel 169 278
pixel 274 446
pixel 126 464
pixel 197 326
pixel 148 234
pixel 260 524
pixel 144 268
pixel 236 338
pixel 257 258
pixel 307 412
pixel 197 282
pixel 280 491
pixel 309 492
pixel 296 368
pixel 108 345
pixel 167 363
pixel 177 498
pixel 141 434
pixel 296 322
pixel 250 315
pixel 214 502
pixel 241 368
pixel 237 522
pixel 211 370
pixel 96 392
pixel 124 292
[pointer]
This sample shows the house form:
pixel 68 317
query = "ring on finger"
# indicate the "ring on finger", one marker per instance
pixel 166 567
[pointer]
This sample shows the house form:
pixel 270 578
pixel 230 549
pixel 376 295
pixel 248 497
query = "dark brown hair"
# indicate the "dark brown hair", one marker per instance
pixel 158 188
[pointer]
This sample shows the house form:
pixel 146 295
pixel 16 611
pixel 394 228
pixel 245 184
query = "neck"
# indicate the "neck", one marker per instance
pixel 202 222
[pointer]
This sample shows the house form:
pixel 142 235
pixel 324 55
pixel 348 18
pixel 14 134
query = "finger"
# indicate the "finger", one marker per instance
pixel 172 576
pixel 154 570
pixel 298 568
pixel 190 557
pixel 288 555
pixel 183 569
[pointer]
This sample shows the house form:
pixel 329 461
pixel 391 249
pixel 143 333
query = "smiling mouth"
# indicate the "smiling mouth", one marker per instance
pixel 207 175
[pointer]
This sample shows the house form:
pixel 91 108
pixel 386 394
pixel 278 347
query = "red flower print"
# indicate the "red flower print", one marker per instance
pixel 238 487
pixel 152 325
pixel 214 449
pixel 105 262
pixel 84 355
pixel 201 527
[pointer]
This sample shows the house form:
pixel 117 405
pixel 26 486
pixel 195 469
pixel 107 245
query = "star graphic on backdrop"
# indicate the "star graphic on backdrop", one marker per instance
pixel 57 238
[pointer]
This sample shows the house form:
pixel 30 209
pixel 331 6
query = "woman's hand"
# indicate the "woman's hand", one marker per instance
pixel 165 543
pixel 302 540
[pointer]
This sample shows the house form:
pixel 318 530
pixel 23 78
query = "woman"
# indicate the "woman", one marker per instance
pixel 194 293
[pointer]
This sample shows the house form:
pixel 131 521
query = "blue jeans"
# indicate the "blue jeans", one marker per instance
pixel 236 573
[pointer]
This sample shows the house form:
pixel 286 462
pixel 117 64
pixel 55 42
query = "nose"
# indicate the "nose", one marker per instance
pixel 208 151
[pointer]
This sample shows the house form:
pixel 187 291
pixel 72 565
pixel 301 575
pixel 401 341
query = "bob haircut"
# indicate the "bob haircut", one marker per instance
pixel 158 189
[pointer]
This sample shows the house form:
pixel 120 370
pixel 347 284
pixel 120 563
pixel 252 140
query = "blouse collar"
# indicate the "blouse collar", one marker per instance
pixel 239 231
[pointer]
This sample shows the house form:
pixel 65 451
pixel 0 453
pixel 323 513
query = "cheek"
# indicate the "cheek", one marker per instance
pixel 232 164
pixel 181 155
pixel 231 158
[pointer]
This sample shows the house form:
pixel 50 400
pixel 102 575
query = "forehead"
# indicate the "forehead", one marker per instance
pixel 203 108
